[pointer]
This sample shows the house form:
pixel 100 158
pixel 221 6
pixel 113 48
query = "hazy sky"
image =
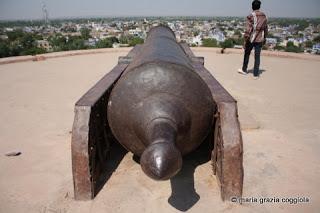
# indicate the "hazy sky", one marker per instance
pixel 32 9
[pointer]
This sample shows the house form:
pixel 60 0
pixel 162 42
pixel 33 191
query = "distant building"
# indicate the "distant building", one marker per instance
pixel 271 41
pixel 218 35
pixel 91 42
pixel 27 29
pixel 43 44
pixel 8 29
pixel 3 37
pixel 230 33
pixel 316 48
pixel 178 36
pixel 302 40
pixel 238 46
pixel 136 32
pixel 172 27
pixel 197 40
pixel 117 45
pixel 103 35
pixel 283 43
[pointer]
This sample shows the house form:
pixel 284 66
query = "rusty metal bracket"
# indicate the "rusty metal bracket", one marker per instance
pixel 92 139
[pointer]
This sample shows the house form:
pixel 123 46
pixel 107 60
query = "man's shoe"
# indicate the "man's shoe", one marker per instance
pixel 255 77
pixel 242 72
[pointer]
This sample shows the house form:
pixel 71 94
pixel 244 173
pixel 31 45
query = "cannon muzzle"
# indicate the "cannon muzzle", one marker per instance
pixel 162 159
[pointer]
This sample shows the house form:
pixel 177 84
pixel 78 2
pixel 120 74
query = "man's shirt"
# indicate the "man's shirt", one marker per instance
pixel 256 27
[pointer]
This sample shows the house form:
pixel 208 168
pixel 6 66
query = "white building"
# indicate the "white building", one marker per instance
pixel 219 36
pixel 271 41
pixel 136 32
pixel 197 40
pixel 316 48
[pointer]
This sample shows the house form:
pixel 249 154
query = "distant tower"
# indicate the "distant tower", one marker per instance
pixel 45 14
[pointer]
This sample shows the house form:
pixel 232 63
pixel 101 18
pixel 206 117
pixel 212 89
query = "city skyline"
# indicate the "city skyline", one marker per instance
pixel 32 9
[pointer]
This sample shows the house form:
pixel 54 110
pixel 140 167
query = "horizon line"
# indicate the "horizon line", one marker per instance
pixel 156 16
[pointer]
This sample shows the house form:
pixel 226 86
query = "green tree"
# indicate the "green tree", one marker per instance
pixel 228 43
pixel 33 51
pixel 58 42
pixel 27 41
pixel 107 42
pixel 38 37
pixel 135 41
pixel 14 35
pixel 279 47
pixel 238 41
pixel 208 42
pixel 292 48
pixel 308 44
pixel 238 33
pixel 75 43
pixel 124 39
pixel 21 43
pixel 302 25
pixel 85 33
pixel 24 43
pixel 104 43
pixel 131 40
pixel 290 44
pixel 317 39
pixel 4 49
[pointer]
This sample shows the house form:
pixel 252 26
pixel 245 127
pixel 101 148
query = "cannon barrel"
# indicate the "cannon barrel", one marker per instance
pixel 160 108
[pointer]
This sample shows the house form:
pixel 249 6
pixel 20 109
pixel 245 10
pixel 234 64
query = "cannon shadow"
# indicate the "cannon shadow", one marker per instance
pixel 184 194
pixel 114 158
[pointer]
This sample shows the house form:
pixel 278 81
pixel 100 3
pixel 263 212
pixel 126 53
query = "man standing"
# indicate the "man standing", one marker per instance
pixel 255 36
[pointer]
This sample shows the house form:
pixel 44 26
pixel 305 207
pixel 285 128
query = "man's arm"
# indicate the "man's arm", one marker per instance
pixel 249 28
pixel 266 30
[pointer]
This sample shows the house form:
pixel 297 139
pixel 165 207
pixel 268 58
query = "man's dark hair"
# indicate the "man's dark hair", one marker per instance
pixel 256 5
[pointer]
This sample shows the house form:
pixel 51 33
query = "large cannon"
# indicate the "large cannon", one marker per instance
pixel 160 108
pixel 160 103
